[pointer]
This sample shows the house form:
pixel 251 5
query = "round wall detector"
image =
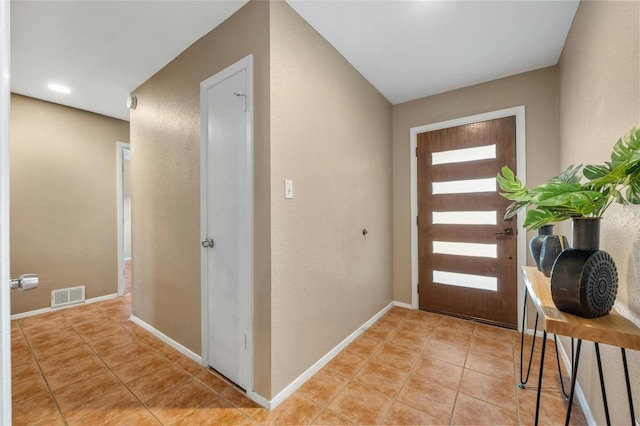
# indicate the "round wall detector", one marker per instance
pixel 132 102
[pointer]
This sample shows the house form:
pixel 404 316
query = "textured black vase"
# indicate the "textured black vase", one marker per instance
pixel 584 280
pixel 535 244
pixel 552 246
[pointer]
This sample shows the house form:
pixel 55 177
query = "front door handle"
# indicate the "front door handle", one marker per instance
pixel 208 243
pixel 507 232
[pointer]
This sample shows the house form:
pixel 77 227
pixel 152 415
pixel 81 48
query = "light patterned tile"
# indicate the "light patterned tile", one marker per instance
pixel 323 386
pixel 37 411
pixel 329 418
pixel 437 371
pixel 157 382
pixel 179 401
pixel 295 410
pixel 428 397
pixel 471 411
pixel 347 363
pixel 103 409
pixel 382 377
pixel 87 388
pixel 361 405
pixel 497 391
pixel 402 414
pixel 416 357
pixel 28 389
pixel 214 413
pixel 446 352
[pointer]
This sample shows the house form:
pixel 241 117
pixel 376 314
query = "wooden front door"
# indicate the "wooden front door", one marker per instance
pixel 466 250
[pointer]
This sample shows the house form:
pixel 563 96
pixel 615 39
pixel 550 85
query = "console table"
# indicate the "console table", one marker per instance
pixel 612 329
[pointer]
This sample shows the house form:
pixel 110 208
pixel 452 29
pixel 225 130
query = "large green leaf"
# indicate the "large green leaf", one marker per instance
pixel 565 196
pixel 626 148
pixel 512 186
pixel 537 218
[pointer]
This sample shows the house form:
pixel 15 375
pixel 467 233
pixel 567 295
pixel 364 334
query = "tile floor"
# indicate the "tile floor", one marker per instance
pixel 89 365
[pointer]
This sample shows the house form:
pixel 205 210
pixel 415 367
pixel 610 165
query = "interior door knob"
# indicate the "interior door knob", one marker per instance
pixel 26 282
pixel 208 243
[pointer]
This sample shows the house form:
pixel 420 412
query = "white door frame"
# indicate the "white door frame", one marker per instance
pixel 246 288
pixel 521 166
pixel 123 151
pixel 5 298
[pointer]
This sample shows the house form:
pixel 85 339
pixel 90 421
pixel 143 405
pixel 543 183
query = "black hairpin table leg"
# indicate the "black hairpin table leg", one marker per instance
pixel 626 377
pixel 574 375
pixel 604 391
pixel 524 380
pixel 544 344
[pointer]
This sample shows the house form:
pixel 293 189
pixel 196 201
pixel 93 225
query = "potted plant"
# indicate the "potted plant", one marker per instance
pixel 565 196
pixel 584 279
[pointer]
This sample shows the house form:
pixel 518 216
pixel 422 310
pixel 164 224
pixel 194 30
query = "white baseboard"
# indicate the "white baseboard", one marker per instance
pixel 402 305
pixel 259 399
pixel 300 380
pixel 168 340
pixel 46 310
pixel 539 333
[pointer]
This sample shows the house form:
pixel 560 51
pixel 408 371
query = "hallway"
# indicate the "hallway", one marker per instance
pixel 90 365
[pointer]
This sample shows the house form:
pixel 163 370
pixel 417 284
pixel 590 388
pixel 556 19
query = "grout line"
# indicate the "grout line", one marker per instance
pixel 86 342
pixel 395 398
pixel 44 378
pixel 100 357
pixel 464 366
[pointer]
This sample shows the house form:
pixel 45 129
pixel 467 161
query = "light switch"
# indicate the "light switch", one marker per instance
pixel 288 189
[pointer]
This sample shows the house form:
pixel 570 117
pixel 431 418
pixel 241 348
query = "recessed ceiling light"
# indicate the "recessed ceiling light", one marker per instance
pixel 59 88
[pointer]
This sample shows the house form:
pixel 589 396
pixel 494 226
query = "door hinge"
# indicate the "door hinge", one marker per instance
pixel 244 100
pixel 416 151
pixel 245 342
pixel 418 288
pixel 417 220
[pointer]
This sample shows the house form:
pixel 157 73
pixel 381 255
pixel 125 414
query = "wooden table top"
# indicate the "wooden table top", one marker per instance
pixel 612 329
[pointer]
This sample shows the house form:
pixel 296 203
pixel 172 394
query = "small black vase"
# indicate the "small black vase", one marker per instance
pixel 584 280
pixel 552 246
pixel 535 244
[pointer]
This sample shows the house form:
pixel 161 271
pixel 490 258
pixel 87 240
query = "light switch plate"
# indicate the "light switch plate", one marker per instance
pixel 288 189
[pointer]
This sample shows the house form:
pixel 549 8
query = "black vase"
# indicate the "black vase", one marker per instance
pixel 535 244
pixel 584 279
pixel 552 246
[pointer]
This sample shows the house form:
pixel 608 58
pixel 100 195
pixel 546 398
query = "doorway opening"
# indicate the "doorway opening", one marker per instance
pixel 123 152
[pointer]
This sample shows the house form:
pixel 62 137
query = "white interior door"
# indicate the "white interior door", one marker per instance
pixel 5 327
pixel 227 224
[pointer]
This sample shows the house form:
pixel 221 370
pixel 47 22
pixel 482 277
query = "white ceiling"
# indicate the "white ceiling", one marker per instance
pixel 407 49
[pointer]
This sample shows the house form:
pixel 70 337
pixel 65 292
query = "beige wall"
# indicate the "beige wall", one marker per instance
pixel 330 134
pixel 599 102
pixel 165 139
pixel 318 122
pixel 536 90
pixel 63 199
